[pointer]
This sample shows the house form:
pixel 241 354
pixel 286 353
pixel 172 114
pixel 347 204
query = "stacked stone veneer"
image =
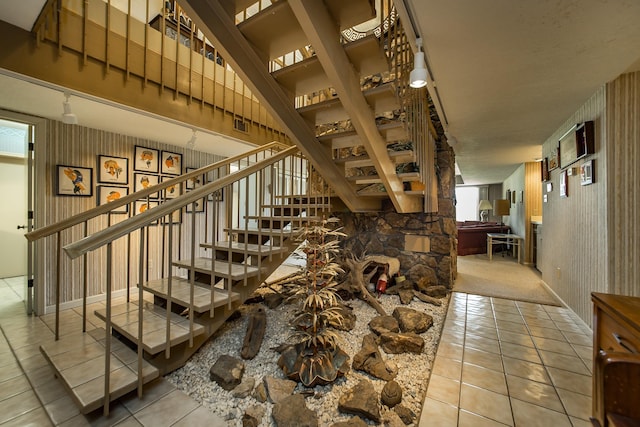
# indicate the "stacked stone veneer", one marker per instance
pixel 387 232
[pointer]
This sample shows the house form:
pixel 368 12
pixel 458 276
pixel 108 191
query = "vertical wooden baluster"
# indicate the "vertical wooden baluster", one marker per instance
pixel 140 299
pixel 167 349
pixel 58 278
pixel 107 342
pixel 193 271
pixel 85 268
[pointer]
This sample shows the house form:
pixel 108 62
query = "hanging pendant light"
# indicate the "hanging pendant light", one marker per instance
pixel 67 116
pixel 418 76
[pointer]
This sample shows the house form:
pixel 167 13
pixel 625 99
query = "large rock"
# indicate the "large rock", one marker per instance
pixel 391 394
pixel 348 318
pixel 391 419
pixel 406 415
pixel 244 389
pixel 278 389
pixel 361 400
pixel 260 392
pixel 352 422
pixel 227 372
pixel 369 360
pixel 435 291
pixel 406 295
pixel 382 324
pixel 293 412
pixel 253 416
pixel 411 320
pixel 401 343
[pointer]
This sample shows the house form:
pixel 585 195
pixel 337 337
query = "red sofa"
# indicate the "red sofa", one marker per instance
pixel 472 236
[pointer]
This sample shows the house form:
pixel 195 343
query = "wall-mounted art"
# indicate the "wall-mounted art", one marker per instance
pixel 195 182
pixel 145 159
pixel 111 193
pixel 113 170
pixel 172 191
pixel 544 169
pixel 171 163
pixel 563 184
pixel 74 181
pixel 513 197
pixel 554 158
pixel 586 173
pixel 142 181
pixel 141 206
pixel 199 206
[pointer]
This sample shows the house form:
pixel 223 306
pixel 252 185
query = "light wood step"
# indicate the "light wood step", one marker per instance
pixel 404 156
pixel 375 179
pixel 250 248
pixel 124 319
pixel 308 76
pixel 79 362
pixel 381 99
pixel 221 268
pixel 253 231
pixel 393 131
pixel 181 293
pixel 283 218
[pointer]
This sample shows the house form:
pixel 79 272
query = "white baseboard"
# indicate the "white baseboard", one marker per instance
pixel 90 300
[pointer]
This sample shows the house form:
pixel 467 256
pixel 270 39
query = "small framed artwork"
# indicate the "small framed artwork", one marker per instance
pixel 508 196
pixel 141 206
pixel 171 163
pixel 109 193
pixel 563 184
pixel 554 157
pixel 217 196
pixel 199 206
pixel 513 197
pixel 113 170
pixel 544 169
pixel 521 197
pixel 195 182
pixel 586 173
pixel 176 217
pixel 142 181
pixel 172 191
pixel 74 181
pixel 145 159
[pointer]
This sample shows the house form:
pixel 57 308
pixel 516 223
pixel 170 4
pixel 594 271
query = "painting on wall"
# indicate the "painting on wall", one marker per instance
pixel 171 163
pixel 554 158
pixel 113 170
pixel 172 191
pixel 142 181
pixel 586 173
pixel 196 181
pixel 141 206
pixel 74 181
pixel 563 184
pixel 199 206
pixel 109 193
pixel 145 159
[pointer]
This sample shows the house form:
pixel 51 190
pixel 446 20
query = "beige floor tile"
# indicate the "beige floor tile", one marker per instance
pixel 520 352
pixel 569 363
pixel 583 351
pixel 541 323
pixel 515 338
pixel 483 359
pixel 534 392
pixel 435 413
pixel 467 419
pixel 529 415
pixel 199 417
pixel 10 370
pixel 18 405
pixel 578 338
pixel 131 422
pixel 509 317
pixel 151 393
pixel 452 351
pixel 507 309
pixel 37 418
pixel 527 370
pixel 449 336
pixel 481 321
pixel 13 386
pixel 555 346
pixel 505 325
pixel 577 422
pixel 117 414
pixel 568 327
pixel 570 380
pixel 502 301
pixel 448 368
pixel 166 410
pixel 33 362
pixel 484 378
pixel 482 343
pixel 50 390
pixel 444 390
pixel 554 334
pixel 62 409
pixel 483 331
pixel 485 312
pixel 486 403
pixel 576 404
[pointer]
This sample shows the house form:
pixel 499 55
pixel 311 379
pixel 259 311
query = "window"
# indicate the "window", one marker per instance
pixel 467 200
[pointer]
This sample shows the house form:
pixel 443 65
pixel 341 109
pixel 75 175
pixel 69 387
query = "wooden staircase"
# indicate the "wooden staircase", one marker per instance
pixel 176 313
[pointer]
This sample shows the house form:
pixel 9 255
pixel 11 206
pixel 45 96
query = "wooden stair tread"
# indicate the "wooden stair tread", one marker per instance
pixel 250 248
pixel 181 293
pixel 404 156
pixel 262 231
pixel 281 218
pixel 124 319
pixel 79 361
pixel 393 131
pixel 375 179
pixel 221 268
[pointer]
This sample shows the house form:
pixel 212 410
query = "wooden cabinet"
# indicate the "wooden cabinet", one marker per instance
pixel 616 330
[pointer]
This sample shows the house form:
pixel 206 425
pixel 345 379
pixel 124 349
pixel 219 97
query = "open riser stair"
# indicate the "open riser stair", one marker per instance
pixel 165 319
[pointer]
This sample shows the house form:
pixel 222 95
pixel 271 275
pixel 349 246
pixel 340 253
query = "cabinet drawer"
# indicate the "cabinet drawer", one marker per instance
pixel 609 328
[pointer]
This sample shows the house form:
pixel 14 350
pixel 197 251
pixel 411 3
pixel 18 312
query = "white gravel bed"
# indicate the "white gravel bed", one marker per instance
pixel 413 369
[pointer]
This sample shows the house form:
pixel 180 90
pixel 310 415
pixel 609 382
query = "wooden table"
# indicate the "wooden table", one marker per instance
pixel 503 238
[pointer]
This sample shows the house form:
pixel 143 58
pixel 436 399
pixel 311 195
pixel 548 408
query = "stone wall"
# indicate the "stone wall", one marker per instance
pixel 425 244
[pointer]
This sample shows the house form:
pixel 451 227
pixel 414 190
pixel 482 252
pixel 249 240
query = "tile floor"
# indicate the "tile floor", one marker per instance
pixel 499 363
pixel 509 363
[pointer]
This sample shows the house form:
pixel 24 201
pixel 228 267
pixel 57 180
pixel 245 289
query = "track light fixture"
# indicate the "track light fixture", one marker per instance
pixel 418 76
pixel 67 116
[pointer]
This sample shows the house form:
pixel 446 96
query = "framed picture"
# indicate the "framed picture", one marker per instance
pixel 145 159
pixel 217 196
pixel 172 191
pixel 513 197
pixel 195 182
pixel 74 181
pixel 508 196
pixel 544 169
pixel 199 206
pixel 586 173
pixel 176 217
pixel 142 181
pixel 554 158
pixel 141 206
pixel 109 193
pixel 563 184
pixel 113 170
pixel 171 163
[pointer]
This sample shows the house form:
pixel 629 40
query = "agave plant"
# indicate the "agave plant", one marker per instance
pixel 316 357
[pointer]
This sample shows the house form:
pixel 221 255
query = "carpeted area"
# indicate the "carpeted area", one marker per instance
pixel 502 277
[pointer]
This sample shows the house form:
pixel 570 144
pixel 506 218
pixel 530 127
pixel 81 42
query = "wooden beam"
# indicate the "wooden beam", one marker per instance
pixel 323 34
pixel 211 17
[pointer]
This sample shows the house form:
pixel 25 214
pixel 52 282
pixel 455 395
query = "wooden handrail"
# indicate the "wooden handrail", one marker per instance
pixel 106 208
pixel 135 222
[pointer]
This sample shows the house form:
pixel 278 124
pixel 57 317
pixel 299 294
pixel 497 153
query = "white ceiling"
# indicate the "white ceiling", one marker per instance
pixel 508 74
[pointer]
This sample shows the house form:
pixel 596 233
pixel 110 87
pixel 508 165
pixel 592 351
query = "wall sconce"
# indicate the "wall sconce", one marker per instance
pixel 418 76
pixel 68 117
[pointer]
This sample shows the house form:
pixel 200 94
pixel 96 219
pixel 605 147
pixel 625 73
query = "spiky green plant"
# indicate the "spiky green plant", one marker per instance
pixel 316 358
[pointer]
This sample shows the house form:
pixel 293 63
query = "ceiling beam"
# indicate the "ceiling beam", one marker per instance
pixel 212 18
pixel 323 34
